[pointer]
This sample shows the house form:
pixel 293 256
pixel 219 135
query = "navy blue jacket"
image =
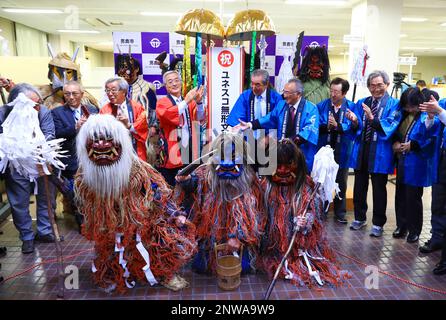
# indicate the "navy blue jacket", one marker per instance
pixel 65 128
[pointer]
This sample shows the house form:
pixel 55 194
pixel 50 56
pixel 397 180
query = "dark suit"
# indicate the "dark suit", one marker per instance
pixel 65 128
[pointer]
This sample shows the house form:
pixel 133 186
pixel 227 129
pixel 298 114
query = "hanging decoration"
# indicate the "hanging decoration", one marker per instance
pixel 253 51
pixel 186 71
pixel 249 25
pixel 262 47
pixel 196 23
pixel 358 75
pixel 198 78
pixel 244 23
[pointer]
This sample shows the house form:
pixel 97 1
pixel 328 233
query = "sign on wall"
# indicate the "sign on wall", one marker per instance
pixel 145 46
pixel 225 68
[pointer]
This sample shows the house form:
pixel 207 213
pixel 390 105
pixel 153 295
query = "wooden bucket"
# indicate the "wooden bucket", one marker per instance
pixel 229 268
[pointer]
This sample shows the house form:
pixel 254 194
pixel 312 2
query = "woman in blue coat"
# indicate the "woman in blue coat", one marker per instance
pixel 414 147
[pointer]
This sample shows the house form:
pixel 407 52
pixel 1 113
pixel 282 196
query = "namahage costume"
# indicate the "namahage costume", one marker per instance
pixel 128 211
pixel 287 194
pixel 314 74
pixel 227 203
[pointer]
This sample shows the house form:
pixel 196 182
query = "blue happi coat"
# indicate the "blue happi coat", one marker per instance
pixel 344 143
pixel 381 153
pixel 243 107
pixel 440 142
pixel 416 168
pixel 306 126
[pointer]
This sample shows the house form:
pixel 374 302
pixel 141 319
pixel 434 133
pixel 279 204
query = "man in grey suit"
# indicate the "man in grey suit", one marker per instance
pixel 19 188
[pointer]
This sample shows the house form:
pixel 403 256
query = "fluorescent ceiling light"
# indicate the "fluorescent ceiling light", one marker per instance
pixel 403 35
pixel 208 0
pixel 161 14
pixel 439 48
pixel 105 43
pixel 415 48
pixel 317 2
pixel 410 19
pixel 443 24
pixel 77 31
pixel 23 10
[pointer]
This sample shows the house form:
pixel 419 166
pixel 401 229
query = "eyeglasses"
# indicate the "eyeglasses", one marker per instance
pixel 114 90
pixel 377 86
pixel 335 91
pixel 74 94
pixel 173 81
pixel 289 92
pixel 257 85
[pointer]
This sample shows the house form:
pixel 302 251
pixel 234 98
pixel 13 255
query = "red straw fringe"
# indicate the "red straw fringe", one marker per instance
pixel 169 246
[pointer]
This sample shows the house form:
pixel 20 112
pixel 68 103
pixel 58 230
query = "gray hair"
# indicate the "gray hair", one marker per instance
pixel 122 84
pixel 24 88
pixel 297 84
pixel 168 73
pixel 74 83
pixel 376 74
pixel 262 73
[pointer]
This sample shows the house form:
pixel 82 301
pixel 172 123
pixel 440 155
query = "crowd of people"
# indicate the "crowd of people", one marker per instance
pixel 228 202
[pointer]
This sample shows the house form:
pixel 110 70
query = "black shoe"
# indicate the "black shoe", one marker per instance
pixel 47 238
pixel 440 268
pixel 28 246
pixel 3 252
pixel 79 220
pixel 411 238
pixel 429 247
pixel 399 233
pixel 341 220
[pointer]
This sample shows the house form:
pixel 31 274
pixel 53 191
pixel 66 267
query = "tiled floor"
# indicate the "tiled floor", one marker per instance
pixel 404 272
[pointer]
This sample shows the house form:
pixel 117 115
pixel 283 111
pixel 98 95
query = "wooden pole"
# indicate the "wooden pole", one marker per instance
pixel 60 293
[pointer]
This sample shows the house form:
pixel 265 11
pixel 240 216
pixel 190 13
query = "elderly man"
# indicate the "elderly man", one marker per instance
pixel 67 121
pixel 336 130
pixel 294 118
pixel 256 102
pixel 377 117
pixel 129 112
pixel 176 115
pixel 19 188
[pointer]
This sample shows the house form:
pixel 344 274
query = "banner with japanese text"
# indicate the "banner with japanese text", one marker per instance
pixel 225 69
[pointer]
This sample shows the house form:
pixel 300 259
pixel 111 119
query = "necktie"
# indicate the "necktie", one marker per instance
pixel 76 115
pixel 129 92
pixel 292 113
pixel 184 126
pixel 368 133
pixel 258 107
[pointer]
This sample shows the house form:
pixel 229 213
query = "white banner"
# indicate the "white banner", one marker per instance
pixel 225 84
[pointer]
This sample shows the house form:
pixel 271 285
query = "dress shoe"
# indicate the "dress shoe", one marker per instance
pixel 399 233
pixel 47 238
pixel 411 238
pixel 429 247
pixel 341 219
pixel 440 268
pixel 28 246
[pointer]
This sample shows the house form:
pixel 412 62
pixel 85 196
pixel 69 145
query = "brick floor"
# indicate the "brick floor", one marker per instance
pixel 393 256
